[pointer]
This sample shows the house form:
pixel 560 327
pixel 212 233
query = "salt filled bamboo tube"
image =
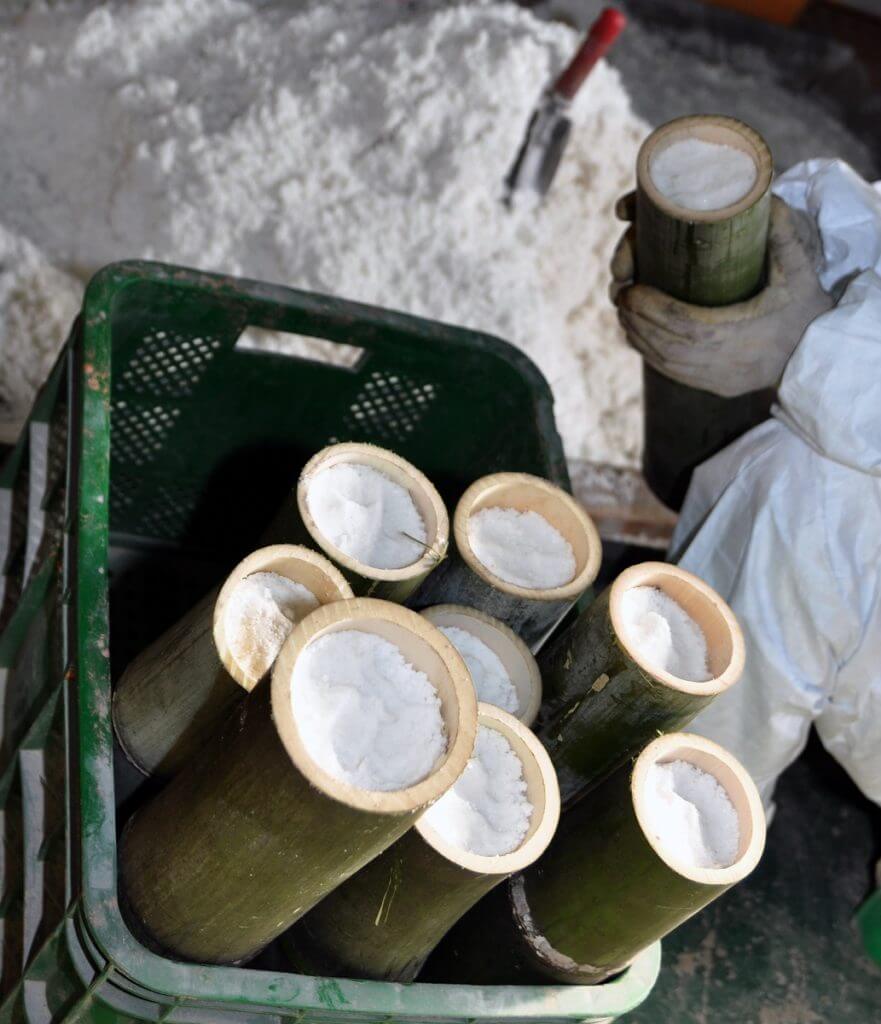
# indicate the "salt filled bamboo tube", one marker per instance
pixel 384 921
pixel 604 701
pixel 177 693
pixel 295 522
pixel 251 835
pixel 512 652
pixel 607 887
pixel 463 579
pixel 708 258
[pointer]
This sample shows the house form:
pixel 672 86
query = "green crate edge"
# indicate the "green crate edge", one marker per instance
pixel 177 982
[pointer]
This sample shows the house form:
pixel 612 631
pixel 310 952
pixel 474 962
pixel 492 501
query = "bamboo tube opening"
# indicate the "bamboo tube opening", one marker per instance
pixel 511 651
pixel 426 649
pixel 531 494
pixel 295 563
pixel 736 782
pixel 541 790
pixel 424 494
pixel 725 647
pixel 727 131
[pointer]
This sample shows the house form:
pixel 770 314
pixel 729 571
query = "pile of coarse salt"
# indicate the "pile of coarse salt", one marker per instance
pixel 701 175
pixel 367 515
pixel 364 713
pixel 260 613
pixel 522 548
pixel 691 815
pixel 487 811
pixel 345 146
pixel 664 634
pixel 490 677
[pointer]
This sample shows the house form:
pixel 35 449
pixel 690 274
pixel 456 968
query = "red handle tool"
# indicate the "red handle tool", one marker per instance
pixel 603 33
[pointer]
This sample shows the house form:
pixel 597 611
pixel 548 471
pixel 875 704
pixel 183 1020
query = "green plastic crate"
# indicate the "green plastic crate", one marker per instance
pixel 179 459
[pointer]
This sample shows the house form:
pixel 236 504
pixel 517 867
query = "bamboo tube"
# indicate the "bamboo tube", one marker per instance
pixel 607 888
pixel 464 580
pixel 295 523
pixel 604 702
pixel 518 660
pixel 384 922
pixel 249 837
pixel 709 258
pixel 177 693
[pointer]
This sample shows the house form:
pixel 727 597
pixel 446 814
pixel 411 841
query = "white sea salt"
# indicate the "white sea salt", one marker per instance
pixel 700 175
pixel 691 815
pixel 521 548
pixel 364 713
pixel 261 611
pixel 665 635
pixel 487 811
pixel 368 515
pixel 490 677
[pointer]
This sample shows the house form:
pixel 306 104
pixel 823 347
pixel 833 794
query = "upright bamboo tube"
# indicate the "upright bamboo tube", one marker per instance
pixel 177 693
pixel 464 580
pixel 709 258
pixel 250 836
pixel 384 922
pixel 518 660
pixel 604 702
pixel 295 523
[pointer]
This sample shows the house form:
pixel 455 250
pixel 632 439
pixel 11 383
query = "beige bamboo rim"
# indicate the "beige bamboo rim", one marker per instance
pixel 420 488
pixel 734 779
pixel 725 647
pixel 428 650
pixel 302 565
pixel 709 128
pixel 512 652
pixel 541 788
pixel 531 494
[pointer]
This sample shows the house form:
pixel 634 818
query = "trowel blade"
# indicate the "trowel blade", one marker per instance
pixel 542 150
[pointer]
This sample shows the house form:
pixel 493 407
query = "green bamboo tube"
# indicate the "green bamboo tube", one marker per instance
pixel 178 692
pixel 709 258
pixel 607 887
pixel 604 702
pixel 464 580
pixel 295 523
pixel 384 921
pixel 250 836
pixel 518 660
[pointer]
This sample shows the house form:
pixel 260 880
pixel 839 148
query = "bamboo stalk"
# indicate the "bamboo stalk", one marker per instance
pixel 295 523
pixel 464 580
pixel 518 660
pixel 604 702
pixel 709 258
pixel 249 837
pixel 384 922
pixel 178 692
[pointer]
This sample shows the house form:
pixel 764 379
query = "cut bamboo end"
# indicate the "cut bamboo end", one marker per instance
pixel 292 561
pixel 424 494
pixel 725 646
pixel 424 647
pixel 714 128
pixel 738 785
pixel 541 790
pixel 512 652
pixel 531 494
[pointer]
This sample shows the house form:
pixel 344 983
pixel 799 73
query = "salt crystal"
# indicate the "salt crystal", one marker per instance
pixel 690 815
pixel 521 548
pixel 700 175
pixel 487 811
pixel 260 613
pixel 489 675
pixel 666 637
pixel 368 515
pixel 364 713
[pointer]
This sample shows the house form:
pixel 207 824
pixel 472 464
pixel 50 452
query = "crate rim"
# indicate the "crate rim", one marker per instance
pixel 206 984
